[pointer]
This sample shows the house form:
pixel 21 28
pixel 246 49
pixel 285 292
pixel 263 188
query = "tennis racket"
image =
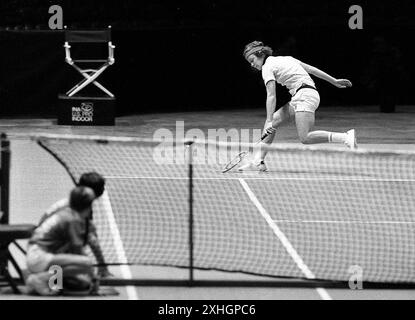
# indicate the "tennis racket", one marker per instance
pixel 239 157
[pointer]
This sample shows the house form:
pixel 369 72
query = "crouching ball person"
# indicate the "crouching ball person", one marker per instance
pixel 295 75
pixel 96 182
pixel 59 241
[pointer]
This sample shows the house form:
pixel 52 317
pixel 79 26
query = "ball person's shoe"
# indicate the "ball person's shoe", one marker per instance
pixel 351 139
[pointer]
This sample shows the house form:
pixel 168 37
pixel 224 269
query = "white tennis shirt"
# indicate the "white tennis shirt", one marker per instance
pixel 287 71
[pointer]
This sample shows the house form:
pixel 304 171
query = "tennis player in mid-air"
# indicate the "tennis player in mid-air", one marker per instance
pixel 295 75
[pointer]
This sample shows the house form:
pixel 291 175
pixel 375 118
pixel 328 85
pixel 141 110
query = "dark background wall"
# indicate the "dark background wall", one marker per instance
pixel 177 56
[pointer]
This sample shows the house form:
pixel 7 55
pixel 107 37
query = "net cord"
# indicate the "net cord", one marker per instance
pixel 212 143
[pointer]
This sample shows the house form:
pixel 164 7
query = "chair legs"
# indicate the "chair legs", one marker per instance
pixel 16 266
pixel 10 280
pixel 10 234
pixel 89 77
pixel 5 258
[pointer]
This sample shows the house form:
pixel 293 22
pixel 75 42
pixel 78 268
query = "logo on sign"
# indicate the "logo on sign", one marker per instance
pixel 84 113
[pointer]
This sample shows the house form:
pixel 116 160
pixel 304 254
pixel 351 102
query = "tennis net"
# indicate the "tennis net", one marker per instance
pixel 315 214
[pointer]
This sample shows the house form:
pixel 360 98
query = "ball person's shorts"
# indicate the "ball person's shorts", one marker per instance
pixel 37 259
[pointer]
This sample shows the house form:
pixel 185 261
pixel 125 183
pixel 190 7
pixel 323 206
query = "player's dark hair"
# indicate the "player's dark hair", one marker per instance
pixel 93 180
pixel 81 198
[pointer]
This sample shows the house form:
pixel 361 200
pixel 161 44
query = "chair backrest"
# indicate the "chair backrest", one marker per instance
pixel 88 35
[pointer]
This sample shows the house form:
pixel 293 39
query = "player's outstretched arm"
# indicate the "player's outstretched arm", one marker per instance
pixel 339 83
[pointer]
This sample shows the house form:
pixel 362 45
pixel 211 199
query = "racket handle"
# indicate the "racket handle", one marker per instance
pixel 266 134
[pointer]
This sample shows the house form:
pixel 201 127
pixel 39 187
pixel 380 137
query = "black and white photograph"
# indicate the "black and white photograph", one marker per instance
pixel 207 155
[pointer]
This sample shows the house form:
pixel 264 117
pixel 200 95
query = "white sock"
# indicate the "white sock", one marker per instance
pixel 257 157
pixel 337 137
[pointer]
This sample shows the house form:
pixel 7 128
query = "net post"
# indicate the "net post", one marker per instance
pixel 189 145
pixel 4 179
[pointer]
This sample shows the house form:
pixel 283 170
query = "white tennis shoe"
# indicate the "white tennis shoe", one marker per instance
pixel 351 139
pixel 252 166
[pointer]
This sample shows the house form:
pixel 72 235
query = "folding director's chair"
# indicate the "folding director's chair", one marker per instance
pixel 90 75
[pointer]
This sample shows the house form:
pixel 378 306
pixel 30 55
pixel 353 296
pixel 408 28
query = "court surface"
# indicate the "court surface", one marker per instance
pixel 37 180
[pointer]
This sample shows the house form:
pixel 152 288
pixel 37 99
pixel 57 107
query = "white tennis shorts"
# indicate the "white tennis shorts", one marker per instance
pixel 306 100
pixel 37 259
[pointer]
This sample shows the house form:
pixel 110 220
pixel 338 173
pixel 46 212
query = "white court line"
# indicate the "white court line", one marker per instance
pixel 265 178
pixel 104 204
pixel 284 241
